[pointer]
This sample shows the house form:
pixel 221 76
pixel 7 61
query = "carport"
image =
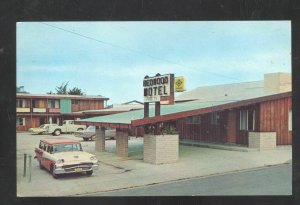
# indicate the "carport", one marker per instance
pixel 135 119
pixel 123 122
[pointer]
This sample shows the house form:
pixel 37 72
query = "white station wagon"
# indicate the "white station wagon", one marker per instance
pixel 63 155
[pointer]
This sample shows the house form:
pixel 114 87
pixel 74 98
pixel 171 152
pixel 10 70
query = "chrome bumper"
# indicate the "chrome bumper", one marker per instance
pixel 75 169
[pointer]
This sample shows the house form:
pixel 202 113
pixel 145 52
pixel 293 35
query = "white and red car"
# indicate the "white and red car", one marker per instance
pixel 63 155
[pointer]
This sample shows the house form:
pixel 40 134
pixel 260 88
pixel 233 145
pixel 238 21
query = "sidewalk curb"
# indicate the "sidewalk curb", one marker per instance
pixel 187 178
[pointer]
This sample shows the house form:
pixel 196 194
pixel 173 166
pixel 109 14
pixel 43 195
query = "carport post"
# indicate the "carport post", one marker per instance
pixel 122 143
pixel 100 139
pixel 24 170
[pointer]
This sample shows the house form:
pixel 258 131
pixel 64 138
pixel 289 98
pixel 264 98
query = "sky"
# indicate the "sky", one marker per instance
pixel 112 58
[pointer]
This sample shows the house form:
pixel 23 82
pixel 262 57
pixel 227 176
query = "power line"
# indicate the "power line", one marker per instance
pixel 110 44
pixel 133 50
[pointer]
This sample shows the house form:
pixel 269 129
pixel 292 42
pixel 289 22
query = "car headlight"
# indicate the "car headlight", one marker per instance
pixel 93 158
pixel 60 161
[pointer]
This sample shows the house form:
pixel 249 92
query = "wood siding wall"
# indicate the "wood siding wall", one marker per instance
pixel 34 121
pixel 270 116
pixel 29 122
pixel 88 105
pixel 274 118
pixel 205 131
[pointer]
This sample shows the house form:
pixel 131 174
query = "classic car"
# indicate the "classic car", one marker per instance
pixel 68 126
pixel 41 129
pixel 90 133
pixel 63 155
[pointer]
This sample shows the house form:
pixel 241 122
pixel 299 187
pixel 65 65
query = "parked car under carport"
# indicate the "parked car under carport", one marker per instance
pixel 90 133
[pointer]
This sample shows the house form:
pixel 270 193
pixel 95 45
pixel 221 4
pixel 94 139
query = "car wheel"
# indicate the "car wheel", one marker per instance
pixel 89 173
pixel 40 165
pixel 57 132
pixel 52 172
pixel 85 139
pixel 79 129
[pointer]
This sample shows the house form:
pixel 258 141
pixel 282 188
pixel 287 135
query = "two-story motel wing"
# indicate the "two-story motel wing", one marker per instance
pixel 33 110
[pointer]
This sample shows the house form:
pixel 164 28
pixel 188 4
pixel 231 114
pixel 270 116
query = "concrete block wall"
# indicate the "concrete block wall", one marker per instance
pixel 149 149
pixel 161 149
pixel 100 139
pixel 277 82
pixel 262 140
pixel 122 143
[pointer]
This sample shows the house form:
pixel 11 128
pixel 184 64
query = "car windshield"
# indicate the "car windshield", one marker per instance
pixel 67 147
pixel 90 128
pixel 42 126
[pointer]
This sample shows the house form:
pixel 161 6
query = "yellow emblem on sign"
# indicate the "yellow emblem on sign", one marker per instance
pixel 179 84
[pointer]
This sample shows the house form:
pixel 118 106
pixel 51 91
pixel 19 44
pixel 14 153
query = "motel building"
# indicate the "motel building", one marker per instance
pixel 254 114
pixel 33 110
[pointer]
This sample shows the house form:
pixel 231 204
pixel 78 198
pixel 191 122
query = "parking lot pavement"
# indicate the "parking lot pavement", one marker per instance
pixel 117 173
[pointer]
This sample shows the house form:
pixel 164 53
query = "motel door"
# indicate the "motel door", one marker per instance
pixel 43 120
pixel 231 127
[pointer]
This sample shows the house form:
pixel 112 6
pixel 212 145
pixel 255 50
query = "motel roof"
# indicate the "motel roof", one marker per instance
pixel 251 89
pixel 55 96
pixel 116 108
pixel 177 111
pixel 203 100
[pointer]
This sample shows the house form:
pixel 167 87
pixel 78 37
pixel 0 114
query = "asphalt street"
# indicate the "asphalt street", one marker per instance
pixel 275 180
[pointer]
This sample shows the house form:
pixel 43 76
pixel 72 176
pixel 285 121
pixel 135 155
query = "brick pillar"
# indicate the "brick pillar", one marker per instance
pixel 262 140
pixel 122 143
pixel 100 139
pixel 161 149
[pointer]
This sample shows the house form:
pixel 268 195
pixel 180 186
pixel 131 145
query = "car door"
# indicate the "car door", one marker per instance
pixel 46 157
pixel 39 151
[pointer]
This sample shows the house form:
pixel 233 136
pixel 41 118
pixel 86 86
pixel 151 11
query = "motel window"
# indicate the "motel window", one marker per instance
pixel 193 120
pixel 215 118
pixel 75 102
pixel 251 120
pixel 53 104
pixel 20 121
pixel 54 120
pixel 35 103
pixel 290 121
pixel 21 103
pixel 247 119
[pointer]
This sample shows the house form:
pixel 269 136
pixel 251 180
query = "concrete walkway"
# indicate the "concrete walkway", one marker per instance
pixel 230 147
pixel 116 173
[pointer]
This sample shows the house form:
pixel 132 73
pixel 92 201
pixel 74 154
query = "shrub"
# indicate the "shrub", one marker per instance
pixel 171 130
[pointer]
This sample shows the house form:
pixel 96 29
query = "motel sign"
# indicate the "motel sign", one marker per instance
pixel 156 87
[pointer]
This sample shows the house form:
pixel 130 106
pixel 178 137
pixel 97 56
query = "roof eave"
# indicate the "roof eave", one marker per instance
pixel 105 124
pixel 156 119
